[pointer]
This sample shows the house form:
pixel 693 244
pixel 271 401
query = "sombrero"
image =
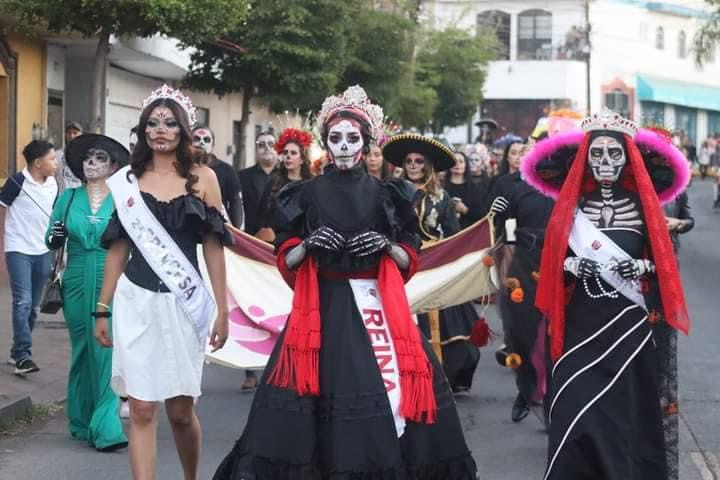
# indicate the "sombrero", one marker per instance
pixel 547 165
pixel 396 149
pixel 76 151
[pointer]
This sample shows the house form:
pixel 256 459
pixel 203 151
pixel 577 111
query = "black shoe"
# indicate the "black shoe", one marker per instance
pixel 25 366
pixel 113 448
pixel 501 356
pixel 520 409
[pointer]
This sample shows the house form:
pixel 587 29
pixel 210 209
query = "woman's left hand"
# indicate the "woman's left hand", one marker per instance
pixel 219 334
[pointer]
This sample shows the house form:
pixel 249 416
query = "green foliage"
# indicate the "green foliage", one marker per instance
pixel 294 52
pixel 188 20
pixel 453 63
pixel 708 36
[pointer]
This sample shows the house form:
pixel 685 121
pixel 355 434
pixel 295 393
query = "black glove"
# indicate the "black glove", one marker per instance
pixel 325 238
pixel 58 234
pixel 368 243
pixel 582 267
pixel 634 269
pixel 499 205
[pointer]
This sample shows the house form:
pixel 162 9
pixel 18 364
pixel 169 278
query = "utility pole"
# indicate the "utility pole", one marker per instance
pixel 588 49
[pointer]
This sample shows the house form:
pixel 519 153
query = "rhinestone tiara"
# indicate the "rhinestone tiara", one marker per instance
pixel 606 119
pixel 166 91
pixel 354 98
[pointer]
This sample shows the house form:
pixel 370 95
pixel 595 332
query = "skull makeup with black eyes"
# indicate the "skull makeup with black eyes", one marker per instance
pixel 97 164
pixel 204 139
pixel 606 158
pixel 345 142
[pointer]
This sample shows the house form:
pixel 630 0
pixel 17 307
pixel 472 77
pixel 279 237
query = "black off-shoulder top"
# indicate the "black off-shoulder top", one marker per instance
pixel 186 218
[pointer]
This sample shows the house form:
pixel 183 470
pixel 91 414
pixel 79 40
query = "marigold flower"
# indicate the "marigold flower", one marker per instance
pixel 517 295
pixel 513 360
pixel 488 261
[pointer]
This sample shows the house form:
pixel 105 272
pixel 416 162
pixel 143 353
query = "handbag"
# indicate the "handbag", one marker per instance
pixel 51 300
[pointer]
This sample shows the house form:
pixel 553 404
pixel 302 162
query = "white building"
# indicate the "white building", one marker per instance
pixel 640 60
pixel 137 66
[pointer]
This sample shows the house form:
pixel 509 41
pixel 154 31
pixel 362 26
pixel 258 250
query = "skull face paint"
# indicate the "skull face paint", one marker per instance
pixel 162 130
pixel 203 139
pixel 478 160
pixel 346 144
pixel 606 158
pixel 97 165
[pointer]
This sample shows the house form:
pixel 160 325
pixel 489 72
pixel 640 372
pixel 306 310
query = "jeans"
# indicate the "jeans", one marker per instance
pixel 28 275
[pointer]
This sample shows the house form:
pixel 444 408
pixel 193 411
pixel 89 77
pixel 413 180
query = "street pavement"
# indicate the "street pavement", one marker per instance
pixel 503 450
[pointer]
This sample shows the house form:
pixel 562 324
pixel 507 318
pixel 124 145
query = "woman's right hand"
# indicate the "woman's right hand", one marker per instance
pixel 102 332
pixel 58 234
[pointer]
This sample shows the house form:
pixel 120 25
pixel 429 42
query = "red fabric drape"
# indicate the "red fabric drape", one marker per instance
pixel 550 298
pixel 298 366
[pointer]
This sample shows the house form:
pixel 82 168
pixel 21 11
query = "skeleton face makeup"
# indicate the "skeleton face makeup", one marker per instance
pixel 478 159
pixel 346 144
pixel 415 167
pixel 97 165
pixel 203 139
pixel 265 150
pixel 606 158
pixel 162 130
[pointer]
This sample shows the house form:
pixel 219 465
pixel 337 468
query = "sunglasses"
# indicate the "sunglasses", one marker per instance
pixel 202 139
pixel 416 161
pixel 269 144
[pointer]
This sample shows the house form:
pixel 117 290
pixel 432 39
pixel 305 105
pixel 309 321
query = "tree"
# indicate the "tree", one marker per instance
pixel 453 62
pixel 294 53
pixel 191 21
pixel 708 36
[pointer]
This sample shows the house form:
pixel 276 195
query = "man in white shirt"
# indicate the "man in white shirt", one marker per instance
pixel 28 198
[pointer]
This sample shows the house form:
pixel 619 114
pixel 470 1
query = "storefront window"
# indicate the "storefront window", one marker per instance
pixel 653 113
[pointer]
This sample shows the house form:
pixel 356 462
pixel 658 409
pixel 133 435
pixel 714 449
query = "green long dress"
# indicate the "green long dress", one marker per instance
pixel 92 406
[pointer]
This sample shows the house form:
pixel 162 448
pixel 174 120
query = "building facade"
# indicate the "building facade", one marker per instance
pixel 629 55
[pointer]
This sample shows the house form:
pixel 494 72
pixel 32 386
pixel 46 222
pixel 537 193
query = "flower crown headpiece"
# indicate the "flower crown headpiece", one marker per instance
pixel 166 91
pixel 304 139
pixel 606 119
pixel 355 99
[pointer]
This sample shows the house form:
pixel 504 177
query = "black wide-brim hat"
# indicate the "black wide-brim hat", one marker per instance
pixel 76 151
pixel 398 147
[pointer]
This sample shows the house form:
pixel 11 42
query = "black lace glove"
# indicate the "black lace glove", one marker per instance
pixel 582 267
pixel 325 238
pixel 368 243
pixel 634 269
pixel 499 205
pixel 58 234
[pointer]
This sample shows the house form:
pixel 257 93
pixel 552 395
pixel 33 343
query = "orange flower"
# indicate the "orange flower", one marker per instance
pixel 535 275
pixel 513 360
pixel 488 261
pixel 517 295
pixel 654 316
pixel 512 283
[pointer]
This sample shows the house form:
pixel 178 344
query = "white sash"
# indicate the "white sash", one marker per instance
pixel 586 240
pixel 161 252
pixel 369 303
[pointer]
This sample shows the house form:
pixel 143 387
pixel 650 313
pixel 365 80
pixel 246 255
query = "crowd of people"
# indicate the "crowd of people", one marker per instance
pixel 366 385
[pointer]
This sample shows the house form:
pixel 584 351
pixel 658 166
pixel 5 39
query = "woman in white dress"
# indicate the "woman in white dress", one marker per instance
pixel 159 332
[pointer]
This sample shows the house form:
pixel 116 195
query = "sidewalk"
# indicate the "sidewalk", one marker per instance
pixel 51 351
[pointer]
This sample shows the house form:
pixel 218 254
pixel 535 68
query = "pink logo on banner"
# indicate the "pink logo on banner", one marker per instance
pixel 254 332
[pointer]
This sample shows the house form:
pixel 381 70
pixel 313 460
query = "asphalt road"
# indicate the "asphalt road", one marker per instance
pixel 503 450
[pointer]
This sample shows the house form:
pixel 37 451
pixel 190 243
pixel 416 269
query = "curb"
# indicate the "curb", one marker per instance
pixel 12 407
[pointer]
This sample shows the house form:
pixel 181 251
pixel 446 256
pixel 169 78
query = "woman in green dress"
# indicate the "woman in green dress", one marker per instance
pixel 80 217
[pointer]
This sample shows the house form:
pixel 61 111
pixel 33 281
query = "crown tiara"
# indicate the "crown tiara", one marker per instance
pixel 606 119
pixel 166 91
pixel 354 98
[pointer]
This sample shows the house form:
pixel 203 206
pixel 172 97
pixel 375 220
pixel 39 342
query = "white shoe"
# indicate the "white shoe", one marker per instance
pixel 11 361
pixel 124 409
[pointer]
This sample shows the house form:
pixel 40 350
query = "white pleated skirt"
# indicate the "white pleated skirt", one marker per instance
pixel 156 354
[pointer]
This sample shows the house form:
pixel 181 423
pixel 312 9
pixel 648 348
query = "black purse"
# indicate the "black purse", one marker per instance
pixel 52 300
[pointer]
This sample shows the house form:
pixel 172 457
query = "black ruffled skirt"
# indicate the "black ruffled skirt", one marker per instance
pixel 348 432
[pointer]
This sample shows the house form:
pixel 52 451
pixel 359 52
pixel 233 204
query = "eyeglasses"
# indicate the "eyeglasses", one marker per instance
pixel 268 144
pixel 416 161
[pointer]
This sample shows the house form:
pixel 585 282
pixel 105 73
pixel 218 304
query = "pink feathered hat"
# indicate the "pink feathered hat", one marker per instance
pixel 548 163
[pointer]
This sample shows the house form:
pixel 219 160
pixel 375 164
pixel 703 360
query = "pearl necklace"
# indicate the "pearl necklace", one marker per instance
pixel 97 196
pixel 603 292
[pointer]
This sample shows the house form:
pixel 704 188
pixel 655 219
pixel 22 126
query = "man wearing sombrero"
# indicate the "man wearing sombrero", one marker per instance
pixel 448 329
pixel 609 237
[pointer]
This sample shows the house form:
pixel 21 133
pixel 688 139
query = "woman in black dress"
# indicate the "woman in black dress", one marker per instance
pixel 421 158
pixel 351 391
pixel 604 409
pixel 467 197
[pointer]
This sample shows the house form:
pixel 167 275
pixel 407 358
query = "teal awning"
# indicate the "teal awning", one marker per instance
pixel 678 93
